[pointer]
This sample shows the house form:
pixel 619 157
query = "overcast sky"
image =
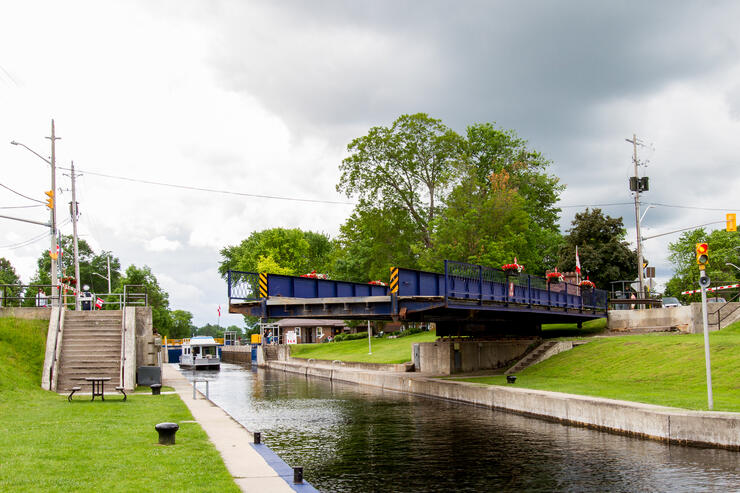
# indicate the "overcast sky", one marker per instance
pixel 262 97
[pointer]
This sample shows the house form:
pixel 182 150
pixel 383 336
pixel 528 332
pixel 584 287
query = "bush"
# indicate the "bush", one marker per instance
pixel 350 337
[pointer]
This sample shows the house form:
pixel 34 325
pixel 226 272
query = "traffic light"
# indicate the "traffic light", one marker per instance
pixel 731 222
pixel 702 255
pixel 50 200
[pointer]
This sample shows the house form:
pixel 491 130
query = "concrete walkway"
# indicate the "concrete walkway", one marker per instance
pixel 254 467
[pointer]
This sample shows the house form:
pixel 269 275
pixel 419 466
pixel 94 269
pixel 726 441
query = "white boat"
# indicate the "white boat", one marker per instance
pixel 200 353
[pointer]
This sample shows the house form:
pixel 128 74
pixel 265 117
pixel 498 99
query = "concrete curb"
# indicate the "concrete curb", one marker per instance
pixel 673 425
pixel 254 469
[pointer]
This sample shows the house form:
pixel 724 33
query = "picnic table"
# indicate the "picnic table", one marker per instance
pixel 98 386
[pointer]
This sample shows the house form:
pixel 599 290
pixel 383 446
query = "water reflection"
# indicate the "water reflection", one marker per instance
pixel 351 438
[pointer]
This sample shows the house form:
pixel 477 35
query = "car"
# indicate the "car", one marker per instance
pixel 716 300
pixel 670 302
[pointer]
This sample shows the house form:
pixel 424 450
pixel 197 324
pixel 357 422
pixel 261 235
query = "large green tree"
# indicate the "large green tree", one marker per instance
pixel 724 248
pixel 604 253
pixel 10 284
pixel 142 280
pixel 484 225
pixel 408 166
pixel 182 324
pixel 279 251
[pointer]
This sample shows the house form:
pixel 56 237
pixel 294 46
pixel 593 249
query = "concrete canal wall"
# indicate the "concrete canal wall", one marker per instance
pixel 714 429
pixel 236 354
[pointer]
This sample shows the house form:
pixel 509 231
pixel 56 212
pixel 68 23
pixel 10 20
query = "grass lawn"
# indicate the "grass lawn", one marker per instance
pixel 385 350
pixel 571 331
pixel 49 444
pixel 667 370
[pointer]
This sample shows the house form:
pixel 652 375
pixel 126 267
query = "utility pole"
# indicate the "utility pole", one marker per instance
pixel 73 212
pixel 54 253
pixel 637 216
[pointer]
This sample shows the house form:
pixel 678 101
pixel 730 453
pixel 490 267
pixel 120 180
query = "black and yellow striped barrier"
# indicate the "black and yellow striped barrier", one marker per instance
pixel 263 284
pixel 394 280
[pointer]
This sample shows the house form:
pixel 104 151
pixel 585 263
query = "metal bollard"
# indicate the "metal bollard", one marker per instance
pixel 298 475
pixel 167 432
pixel 257 437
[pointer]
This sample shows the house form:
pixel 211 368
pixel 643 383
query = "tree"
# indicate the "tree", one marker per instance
pixel 407 166
pixel 90 263
pixel 10 284
pixel 279 251
pixel 724 248
pixel 604 254
pixel 182 324
pixel 481 225
pixel 490 151
pixel 157 298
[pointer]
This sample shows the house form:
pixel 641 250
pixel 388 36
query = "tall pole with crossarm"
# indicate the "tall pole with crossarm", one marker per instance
pixel 54 252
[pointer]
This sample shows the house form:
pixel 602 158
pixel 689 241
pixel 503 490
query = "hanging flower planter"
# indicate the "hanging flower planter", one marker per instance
pixel 512 269
pixel 587 285
pixel 555 277
pixel 314 275
pixel 377 283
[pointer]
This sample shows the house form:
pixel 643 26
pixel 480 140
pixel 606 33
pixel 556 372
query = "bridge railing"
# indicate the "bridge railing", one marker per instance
pixel 243 285
pixel 311 287
pixel 477 283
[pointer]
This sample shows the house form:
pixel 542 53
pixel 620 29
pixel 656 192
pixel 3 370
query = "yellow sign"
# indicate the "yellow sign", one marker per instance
pixel 731 222
pixel 255 339
pixel 394 280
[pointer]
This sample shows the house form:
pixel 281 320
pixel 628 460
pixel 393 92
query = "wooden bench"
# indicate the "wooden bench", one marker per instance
pixel 73 390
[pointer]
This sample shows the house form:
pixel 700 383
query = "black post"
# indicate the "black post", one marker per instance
pixel 298 475
pixel 257 437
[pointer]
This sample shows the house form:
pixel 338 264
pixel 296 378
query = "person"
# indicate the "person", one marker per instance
pixel 86 298
pixel 41 299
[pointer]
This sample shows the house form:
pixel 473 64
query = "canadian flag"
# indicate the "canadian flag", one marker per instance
pixel 99 303
pixel 219 310
pixel 578 262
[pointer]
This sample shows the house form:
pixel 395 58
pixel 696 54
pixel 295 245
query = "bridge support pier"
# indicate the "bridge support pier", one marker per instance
pixel 450 356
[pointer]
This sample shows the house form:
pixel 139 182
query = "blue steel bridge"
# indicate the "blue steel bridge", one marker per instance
pixel 464 300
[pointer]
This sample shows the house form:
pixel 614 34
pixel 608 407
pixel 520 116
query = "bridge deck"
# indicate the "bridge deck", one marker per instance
pixel 469 293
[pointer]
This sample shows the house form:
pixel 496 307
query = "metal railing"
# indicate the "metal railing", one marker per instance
pixel 482 284
pixel 25 295
pixel 243 285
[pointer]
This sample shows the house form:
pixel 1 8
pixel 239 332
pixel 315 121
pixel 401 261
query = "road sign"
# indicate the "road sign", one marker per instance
pixel 731 222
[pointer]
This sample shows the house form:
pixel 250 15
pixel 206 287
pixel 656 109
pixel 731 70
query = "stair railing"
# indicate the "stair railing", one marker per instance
pixel 59 307
pixel 727 314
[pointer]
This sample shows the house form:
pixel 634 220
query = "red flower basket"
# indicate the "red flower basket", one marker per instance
pixel 555 277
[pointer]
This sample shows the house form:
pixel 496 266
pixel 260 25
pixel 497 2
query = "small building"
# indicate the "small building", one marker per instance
pixel 309 330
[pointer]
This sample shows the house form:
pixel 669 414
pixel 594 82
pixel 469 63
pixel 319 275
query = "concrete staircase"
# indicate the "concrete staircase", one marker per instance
pixel 532 357
pixel 91 346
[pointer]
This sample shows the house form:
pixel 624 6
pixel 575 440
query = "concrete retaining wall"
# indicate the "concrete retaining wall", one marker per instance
pixel 673 425
pixel 445 357
pixel 236 354
pixel 680 316
pixel 685 318
pixel 28 313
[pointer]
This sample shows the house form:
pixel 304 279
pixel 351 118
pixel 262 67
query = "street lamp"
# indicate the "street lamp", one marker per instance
pixel 53 251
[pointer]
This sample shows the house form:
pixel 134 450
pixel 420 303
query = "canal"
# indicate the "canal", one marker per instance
pixel 359 439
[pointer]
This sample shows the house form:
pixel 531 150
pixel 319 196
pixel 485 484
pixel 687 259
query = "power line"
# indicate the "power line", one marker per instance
pixel 212 190
pixel 21 206
pixel 18 193
pixel 34 239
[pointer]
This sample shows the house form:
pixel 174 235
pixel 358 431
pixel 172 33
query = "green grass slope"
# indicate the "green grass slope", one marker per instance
pixel 385 350
pixel 666 370
pixel 49 444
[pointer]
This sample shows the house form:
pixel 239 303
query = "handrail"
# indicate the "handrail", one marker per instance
pixel 719 311
pixel 59 307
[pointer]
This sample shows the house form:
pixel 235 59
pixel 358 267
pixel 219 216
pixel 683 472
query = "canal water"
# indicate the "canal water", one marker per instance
pixel 358 439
